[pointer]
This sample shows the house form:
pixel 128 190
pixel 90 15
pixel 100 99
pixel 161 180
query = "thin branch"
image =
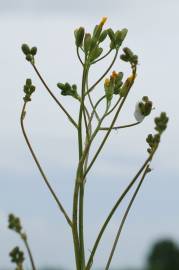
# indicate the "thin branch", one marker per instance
pixel 124 218
pixel 115 105
pixel 40 168
pixel 104 74
pixel 119 127
pixel 116 205
pixel 78 54
pixel 24 238
pixel 91 102
pixel 111 126
pixel 53 96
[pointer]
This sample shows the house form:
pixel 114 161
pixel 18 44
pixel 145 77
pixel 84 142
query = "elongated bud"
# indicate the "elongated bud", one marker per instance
pixel 95 53
pixel 112 38
pixel 33 50
pixel 126 86
pixel 79 36
pixel 93 43
pixel 25 48
pixel 103 36
pixel 124 33
pixel 111 35
pixel 87 42
pixel 103 21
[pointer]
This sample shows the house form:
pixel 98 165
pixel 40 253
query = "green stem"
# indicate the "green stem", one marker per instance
pixel 79 184
pixel 119 127
pixel 52 95
pixel 111 126
pixel 89 263
pixel 115 105
pixel 40 168
pixel 24 238
pixel 91 102
pixel 124 218
pixel 78 54
pixel 99 59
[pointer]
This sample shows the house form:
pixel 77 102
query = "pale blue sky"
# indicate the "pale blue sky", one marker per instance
pixel 154 36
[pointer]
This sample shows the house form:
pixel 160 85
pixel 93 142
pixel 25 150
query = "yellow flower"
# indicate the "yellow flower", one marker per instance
pixel 114 74
pixel 103 20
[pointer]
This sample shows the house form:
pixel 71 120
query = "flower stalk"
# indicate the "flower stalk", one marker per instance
pixel 90 123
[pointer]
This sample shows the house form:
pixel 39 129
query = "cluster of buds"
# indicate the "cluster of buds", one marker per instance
pixel 161 125
pixel 129 56
pixel 29 88
pixel 14 223
pixel 90 42
pixel 68 90
pixel 29 53
pixel 153 141
pixel 17 257
pixel 143 109
pixel 116 37
pixel 113 85
pixel 161 122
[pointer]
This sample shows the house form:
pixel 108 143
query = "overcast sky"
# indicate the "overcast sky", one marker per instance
pixel 154 36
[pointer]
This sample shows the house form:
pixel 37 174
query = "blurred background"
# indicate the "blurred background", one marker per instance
pixel 154 36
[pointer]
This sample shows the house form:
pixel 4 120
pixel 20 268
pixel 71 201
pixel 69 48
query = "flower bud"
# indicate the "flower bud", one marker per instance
pixel 87 42
pixel 33 50
pixel 93 43
pixel 97 31
pixel 29 57
pixel 25 48
pixel 124 33
pixel 79 36
pixel 112 38
pixel 95 53
pixel 103 36
pixel 28 82
pixel 17 256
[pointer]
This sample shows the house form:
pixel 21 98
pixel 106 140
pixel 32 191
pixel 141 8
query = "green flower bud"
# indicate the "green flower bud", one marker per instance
pixel 112 38
pixel 79 36
pixel 120 36
pixel 61 86
pixel 128 52
pixel 128 56
pixel 145 98
pixel 29 57
pixel 134 59
pixel 25 48
pixel 124 57
pixel 124 33
pixel 93 43
pixel 103 36
pixel 33 50
pixel 32 89
pixel 97 31
pixel 118 39
pixel 95 53
pixel 161 122
pixel 14 223
pixel 87 42
pixel 125 88
pixel 28 82
pixel 17 256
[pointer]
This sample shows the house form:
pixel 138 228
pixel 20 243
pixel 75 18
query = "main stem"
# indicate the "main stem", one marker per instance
pixel 78 234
